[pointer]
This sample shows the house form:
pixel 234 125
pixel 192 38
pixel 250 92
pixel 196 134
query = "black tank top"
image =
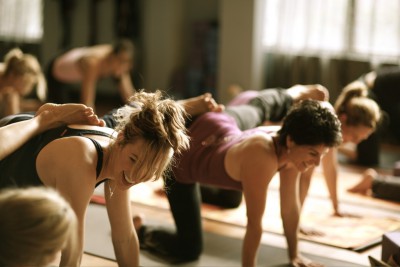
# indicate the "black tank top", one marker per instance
pixel 19 168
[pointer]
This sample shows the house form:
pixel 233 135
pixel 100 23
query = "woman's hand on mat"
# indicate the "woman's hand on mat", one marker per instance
pixel 308 231
pixel 301 261
pixel 344 214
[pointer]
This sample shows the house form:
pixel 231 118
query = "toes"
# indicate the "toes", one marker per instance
pixel 102 123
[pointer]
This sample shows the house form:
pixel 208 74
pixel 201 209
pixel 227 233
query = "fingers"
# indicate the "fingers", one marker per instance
pixel 213 105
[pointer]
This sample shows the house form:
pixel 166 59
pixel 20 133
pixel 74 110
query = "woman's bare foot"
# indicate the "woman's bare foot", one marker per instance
pixel 60 114
pixel 308 231
pixel 201 104
pixel 365 185
pixel 312 91
pixel 301 261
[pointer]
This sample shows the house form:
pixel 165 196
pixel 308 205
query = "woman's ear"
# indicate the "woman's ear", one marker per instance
pixel 343 118
pixel 289 142
pixel 120 137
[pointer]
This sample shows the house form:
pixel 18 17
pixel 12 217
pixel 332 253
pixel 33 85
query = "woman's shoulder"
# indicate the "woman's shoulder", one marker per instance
pixel 71 146
pixel 98 51
pixel 73 155
pixel 261 143
pixel 78 140
pixel 259 157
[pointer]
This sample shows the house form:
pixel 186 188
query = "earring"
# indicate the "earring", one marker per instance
pixel 111 191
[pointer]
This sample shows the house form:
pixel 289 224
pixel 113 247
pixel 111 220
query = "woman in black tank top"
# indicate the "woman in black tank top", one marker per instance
pixel 74 159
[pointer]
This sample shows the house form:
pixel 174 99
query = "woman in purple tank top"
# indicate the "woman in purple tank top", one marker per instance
pixel 222 155
pixel 359 116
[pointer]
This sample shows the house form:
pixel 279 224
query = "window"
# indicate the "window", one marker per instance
pixel 358 27
pixel 21 20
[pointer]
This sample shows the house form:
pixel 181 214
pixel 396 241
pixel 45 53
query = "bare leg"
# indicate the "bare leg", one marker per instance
pixel 54 115
pixel 48 116
pixel 234 90
pixel 201 104
pixel 365 185
pixel 312 91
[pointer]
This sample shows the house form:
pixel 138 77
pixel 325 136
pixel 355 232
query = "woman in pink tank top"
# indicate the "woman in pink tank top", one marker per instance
pixel 83 67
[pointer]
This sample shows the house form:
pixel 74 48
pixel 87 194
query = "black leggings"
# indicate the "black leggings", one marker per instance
pixel 386 187
pixel 186 243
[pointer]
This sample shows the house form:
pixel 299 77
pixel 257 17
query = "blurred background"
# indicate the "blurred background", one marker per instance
pixel 187 47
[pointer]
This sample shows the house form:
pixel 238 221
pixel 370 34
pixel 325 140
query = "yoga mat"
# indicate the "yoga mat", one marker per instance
pixel 219 250
pixel 347 178
pixel 353 233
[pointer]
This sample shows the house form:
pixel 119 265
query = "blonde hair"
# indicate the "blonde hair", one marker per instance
pixel 161 123
pixel 35 224
pixel 358 108
pixel 24 65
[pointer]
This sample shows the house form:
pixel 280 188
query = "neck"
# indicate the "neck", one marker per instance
pixel 281 153
pixel 106 172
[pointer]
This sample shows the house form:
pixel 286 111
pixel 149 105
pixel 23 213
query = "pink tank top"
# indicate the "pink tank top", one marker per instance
pixel 66 68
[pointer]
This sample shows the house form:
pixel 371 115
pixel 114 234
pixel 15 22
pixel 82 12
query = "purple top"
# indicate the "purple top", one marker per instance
pixel 212 134
pixel 243 98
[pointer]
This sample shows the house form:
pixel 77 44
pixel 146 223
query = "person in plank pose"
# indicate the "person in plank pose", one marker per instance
pixel 224 156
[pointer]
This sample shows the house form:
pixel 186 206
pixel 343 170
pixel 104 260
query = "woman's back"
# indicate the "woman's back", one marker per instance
pixel 213 135
pixel 68 67
pixel 20 168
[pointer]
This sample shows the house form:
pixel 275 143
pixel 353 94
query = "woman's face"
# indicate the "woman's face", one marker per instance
pixel 125 159
pixel 23 84
pixel 304 157
pixel 123 63
pixel 355 134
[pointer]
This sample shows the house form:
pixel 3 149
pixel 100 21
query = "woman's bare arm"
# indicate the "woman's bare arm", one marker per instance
pixel 329 167
pixel 12 102
pixel 90 73
pixel 124 237
pixel 257 170
pixel 290 212
pixel 125 87
pixel 73 175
